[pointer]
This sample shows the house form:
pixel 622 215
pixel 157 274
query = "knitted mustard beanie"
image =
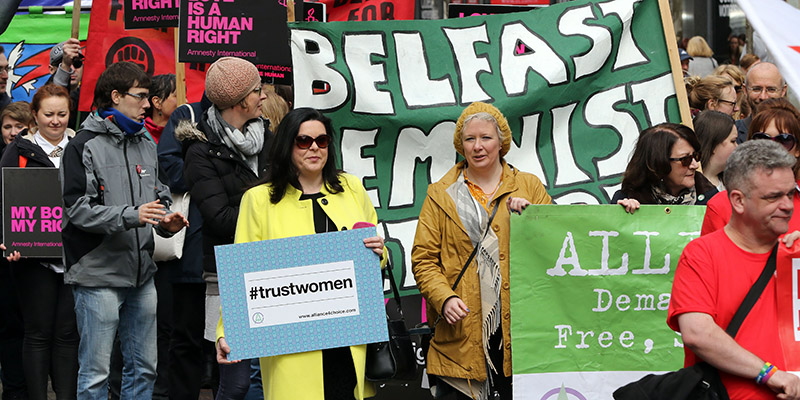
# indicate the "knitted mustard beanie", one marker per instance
pixel 229 80
pixel 478 107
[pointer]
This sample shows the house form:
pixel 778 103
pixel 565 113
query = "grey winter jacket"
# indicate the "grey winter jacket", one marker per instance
pixel 105 175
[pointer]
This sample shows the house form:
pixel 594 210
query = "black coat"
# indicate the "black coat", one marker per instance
pixel 217 178
pixel 189 268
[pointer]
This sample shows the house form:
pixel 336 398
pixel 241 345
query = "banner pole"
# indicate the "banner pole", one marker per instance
pixel 76 18
pixel 290 11
pixel 180 72
pixel 675 63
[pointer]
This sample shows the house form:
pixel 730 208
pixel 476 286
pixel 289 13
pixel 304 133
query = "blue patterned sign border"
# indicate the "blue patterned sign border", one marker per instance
pixel 235 260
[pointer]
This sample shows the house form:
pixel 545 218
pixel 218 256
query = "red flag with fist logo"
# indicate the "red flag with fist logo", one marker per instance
pixel 154 49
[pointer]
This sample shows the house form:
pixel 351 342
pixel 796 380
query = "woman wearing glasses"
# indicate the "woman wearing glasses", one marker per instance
pixel 224 155
pixel 663 170
pixel 713 92
pixel 777 120
pixel 304 194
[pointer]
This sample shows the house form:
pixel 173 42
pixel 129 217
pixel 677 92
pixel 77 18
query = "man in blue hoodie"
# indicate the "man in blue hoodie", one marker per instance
pixel 113 202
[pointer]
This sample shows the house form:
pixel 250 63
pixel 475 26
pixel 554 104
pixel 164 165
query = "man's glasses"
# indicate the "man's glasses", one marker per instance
pixel 787 140
pixel 687 159
pixel 6 68
pixel 139 96
pixel 304 142
pixel 771 90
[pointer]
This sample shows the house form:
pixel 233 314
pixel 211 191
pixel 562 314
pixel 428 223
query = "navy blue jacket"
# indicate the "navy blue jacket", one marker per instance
pixel 189 269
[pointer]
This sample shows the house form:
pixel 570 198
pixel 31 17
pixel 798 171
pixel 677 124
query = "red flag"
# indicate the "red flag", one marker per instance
pixel 109 42
pixel 788 281
pixel 369 10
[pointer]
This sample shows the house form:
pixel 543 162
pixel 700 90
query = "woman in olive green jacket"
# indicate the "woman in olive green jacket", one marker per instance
pixel 303 195
pixel 475 334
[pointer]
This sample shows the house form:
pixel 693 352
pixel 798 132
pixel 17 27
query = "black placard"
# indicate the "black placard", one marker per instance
pixel 141 14
pixel 468 10
pixel 313 11
pixel 255 30
pixel 32 212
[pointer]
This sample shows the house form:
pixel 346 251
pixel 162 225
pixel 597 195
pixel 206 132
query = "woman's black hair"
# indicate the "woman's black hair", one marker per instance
pixel 161 86
pixel 282 170
pixel 712 128
pixel 650 161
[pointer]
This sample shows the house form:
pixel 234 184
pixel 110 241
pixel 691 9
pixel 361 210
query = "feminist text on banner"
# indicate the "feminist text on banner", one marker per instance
pixel 32 213
pixel 251 29
pixel 590 288
pixel 370 10
pixel 577 81
pixel 27 43
pixel 153 49
pixel 151 14
pixel 279 298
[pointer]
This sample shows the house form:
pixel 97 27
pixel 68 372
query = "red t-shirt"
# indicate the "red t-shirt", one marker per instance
pixel 713 277
pixel 718 213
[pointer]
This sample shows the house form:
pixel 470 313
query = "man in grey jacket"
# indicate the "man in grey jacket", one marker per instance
pixel 112 200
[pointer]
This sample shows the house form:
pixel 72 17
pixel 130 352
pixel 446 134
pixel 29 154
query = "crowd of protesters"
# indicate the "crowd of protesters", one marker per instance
pixel 110 319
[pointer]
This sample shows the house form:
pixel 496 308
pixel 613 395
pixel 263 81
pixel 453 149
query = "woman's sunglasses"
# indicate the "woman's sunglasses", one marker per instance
pixel 304 142
pixel 787 140
pixel 687 159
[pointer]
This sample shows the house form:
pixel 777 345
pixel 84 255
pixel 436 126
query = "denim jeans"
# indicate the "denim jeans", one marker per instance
pixel 100 311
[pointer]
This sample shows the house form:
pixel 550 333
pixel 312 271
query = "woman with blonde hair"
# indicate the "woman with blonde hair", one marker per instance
pixel 274 108
pixel 737 76
pixel 703 62
pixel 713 92
pixel 471 348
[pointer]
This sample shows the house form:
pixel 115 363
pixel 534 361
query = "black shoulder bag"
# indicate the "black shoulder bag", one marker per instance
pixel 425 331
pixel 394 359
pixel 700 381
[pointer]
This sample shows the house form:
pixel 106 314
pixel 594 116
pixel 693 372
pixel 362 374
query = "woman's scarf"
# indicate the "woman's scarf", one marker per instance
pixel 247 145
pixel 687 197
pixel 475 218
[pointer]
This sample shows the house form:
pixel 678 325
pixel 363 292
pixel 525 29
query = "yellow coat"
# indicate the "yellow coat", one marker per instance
pixel 441 247
pixel 299 376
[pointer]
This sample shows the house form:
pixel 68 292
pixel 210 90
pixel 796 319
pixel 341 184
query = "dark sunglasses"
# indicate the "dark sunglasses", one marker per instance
pixel 304 142
pixel 787 140
pixel 687 159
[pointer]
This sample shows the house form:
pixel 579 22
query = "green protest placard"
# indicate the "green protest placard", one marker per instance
pixel 590 288
pixel 577 82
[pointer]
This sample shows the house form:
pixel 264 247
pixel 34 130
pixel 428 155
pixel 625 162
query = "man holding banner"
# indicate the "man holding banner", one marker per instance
pixel 717 270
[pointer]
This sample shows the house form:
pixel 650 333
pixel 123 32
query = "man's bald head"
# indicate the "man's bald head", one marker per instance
pixel 764 81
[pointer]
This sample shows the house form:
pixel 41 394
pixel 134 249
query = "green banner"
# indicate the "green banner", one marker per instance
pixel 590 288
pixel 577 81
pixel 43 28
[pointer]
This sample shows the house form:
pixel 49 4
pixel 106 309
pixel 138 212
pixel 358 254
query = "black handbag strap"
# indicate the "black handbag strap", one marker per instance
pixel 754 293
pixel 475 250
pixel 393 284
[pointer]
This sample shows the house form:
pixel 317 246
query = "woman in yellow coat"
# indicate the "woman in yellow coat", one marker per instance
pixel 305 194
pixel 471 348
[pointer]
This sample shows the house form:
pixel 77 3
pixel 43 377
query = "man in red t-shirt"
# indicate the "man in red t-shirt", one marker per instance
pixel 716 271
